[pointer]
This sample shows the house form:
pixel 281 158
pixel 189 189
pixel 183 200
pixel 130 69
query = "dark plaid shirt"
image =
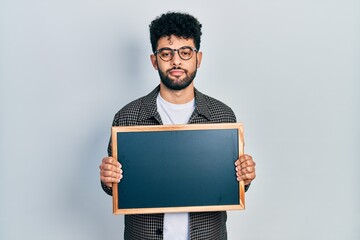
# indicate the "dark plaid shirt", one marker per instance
pixel 143 111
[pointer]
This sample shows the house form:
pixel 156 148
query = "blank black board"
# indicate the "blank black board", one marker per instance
pixel 178 170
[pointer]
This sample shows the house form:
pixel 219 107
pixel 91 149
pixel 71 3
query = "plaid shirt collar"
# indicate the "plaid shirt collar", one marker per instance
pixel 149 108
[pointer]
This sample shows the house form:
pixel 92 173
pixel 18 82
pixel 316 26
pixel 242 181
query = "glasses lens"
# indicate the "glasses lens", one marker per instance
pixel 186 53
pixel 166 54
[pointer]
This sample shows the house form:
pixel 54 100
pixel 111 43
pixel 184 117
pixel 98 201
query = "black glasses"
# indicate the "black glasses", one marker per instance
pixel 167 54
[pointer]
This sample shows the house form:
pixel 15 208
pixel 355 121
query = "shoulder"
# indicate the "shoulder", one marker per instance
pixel 128 113
pixel 140 108
pixel 214 104
pixel 217 110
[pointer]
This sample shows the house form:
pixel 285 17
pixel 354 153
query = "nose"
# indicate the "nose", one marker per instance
pixel 176 60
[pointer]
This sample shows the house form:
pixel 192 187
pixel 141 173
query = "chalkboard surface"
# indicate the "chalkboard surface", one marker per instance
pixel 169 169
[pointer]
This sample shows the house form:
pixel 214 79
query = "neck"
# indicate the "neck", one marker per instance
pixel 177 96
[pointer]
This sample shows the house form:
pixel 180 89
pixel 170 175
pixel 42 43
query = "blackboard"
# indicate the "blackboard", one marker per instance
pixel 178 168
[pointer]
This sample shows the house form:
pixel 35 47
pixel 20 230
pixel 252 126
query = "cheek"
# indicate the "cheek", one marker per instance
pixel 161 68
pixel 192 67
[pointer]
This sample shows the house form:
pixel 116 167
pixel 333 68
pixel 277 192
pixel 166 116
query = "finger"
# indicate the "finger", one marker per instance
pixel 238 176
pixel 248 163
pixel 245 157
pixel 245 170
pixel 108 181
pixel 109 167
pixel 107 162
pixel 247 177
pixel 246 166
pixel 110 174
pixel 110 160
pixel 238 170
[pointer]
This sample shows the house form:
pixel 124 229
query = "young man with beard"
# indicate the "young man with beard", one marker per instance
pixel 175 39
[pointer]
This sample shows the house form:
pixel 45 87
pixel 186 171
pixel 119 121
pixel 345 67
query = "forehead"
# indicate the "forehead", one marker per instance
pixel 175 42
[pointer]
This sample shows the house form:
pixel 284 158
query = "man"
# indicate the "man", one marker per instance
pixel 175 39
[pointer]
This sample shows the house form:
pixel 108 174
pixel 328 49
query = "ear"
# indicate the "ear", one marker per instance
pixel 199 58
pixel 154 61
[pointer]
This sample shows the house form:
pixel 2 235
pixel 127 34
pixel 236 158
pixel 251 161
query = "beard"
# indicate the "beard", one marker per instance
pixel 177 84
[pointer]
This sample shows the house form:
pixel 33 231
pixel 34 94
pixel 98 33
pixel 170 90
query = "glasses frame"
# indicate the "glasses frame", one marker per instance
pixel 173 50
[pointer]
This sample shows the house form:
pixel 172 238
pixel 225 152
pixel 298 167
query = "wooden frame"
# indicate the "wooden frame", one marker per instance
pixel 137 193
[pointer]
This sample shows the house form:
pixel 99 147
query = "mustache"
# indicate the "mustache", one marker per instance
pixel 176 68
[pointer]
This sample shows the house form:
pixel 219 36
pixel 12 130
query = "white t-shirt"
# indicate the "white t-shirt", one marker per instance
pixel 176 225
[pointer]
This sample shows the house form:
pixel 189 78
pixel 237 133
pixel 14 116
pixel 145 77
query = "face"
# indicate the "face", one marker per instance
pixel 176 74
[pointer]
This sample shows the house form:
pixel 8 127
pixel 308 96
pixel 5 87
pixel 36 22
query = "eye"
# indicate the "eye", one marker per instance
pixel 185 52
pixel 165 53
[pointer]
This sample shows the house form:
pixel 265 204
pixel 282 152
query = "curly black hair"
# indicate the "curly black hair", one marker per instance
pixel 175 23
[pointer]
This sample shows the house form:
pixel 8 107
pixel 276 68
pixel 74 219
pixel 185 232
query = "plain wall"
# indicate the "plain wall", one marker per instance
pixel 289 69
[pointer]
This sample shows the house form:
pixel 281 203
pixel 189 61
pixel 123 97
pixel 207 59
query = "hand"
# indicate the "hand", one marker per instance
pixel 245 169
pixel 110 171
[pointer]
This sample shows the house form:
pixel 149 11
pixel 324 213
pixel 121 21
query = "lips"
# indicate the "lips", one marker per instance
pixel 176 72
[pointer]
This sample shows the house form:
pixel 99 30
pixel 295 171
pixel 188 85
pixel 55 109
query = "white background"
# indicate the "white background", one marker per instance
pixel 289 69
